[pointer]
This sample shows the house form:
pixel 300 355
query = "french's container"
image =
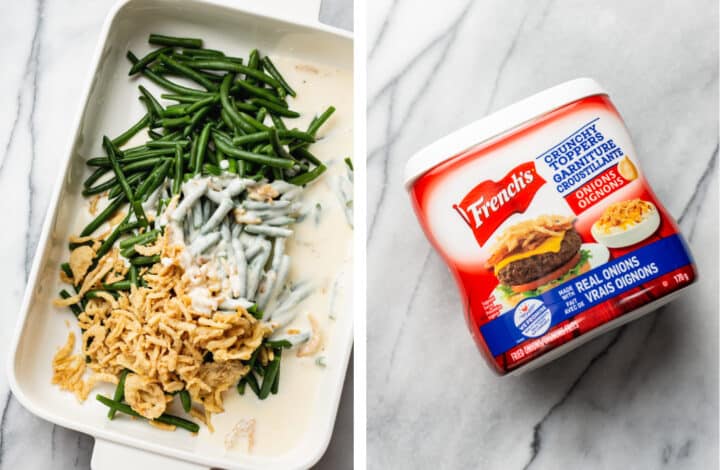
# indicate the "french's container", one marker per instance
pixel 548 224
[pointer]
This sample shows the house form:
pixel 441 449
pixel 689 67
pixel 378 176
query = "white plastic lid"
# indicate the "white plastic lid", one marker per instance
pixel 498 123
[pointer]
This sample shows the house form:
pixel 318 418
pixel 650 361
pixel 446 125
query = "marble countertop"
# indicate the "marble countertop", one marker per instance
pixel 643 396
pixel 45 65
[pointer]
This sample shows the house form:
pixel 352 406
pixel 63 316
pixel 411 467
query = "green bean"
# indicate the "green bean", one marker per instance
pixel 119 392
pixel 253 61
pixel 276 384
pixel 224 64
pixel 225 117
pixel 280 151
pixel 231 151
pixel 303 154
pixel 128 134
pixel 269 378
pixel 185 400
pixel 212 156
pixel 149 153
pixel 145 260
pixel 202 103
pixel 241 386
pixel 252 383
pixel 132 179
pixel 258 92
pixel 153 181
pixel 244 127
pixel 188 72
pixel 202 53
pixel 227 105
pixel 76 310
pixel 280 343
pixel 164 418
pixel 257 125
pixel 261 115
pixel 96 175
pixel 305 178
pixel 210 169
pixel 108 243
pixel 275 108
pixel 182 98
pixel 154 135
pixel 133 275
pixel 103 216
pixel 197 117
pixel 168 144
pixel 142 63
pixel 173 41
pixel 175 122
pixel 104 162
pixel 253 138
pixel 137 207
pixel 67 270
pixel 243 106
pixel 140 239
pixel 94 294
pixel 131 152
pixel 152 103
pixel 144 164
pixel 176 110
pixel 320 120
pixel 233 167
pixel 177 181
pixel 167 84
pixel 296 135
pixel 100 187
pixel 179 422
pixel 278 122
pixel 193 154
pixel 272 70
pixel 202 147
pixel 119 285
pixel 170 136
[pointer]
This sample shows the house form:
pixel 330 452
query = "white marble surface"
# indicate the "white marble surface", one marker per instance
pixel 642 397
pixel 45 63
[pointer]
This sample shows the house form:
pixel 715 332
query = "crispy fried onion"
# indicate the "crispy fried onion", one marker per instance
pixel 69 369
pixel 316 340
pixel 624 214
pixel 154 332
pixel 528 235
pixel 243 428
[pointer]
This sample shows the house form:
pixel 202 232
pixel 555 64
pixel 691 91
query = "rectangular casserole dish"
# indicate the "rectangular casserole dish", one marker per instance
pixel 277 27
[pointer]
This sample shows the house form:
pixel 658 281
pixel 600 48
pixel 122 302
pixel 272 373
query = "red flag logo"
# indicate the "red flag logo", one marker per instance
pixel 490 203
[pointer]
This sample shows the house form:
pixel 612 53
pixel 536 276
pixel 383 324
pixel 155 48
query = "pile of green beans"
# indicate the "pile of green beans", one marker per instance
pixel 264 379
pixel 229 117
pixel 231 120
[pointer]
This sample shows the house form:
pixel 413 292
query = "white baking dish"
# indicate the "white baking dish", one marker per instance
pixel 277 27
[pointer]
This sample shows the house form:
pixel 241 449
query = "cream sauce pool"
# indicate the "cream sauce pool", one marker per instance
pixel 321 253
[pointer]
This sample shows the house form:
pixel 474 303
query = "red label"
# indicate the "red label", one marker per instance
pixel 490 203
pixel 595 190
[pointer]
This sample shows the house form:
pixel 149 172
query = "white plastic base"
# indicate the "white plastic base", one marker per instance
pixel 108 455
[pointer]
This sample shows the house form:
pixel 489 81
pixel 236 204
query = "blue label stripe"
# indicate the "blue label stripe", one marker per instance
pixel 579 294
pixel 566 138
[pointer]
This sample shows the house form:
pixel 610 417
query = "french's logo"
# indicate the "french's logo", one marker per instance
pixel 490 203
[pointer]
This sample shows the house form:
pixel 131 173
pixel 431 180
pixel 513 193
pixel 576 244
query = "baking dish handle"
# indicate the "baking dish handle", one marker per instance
pixel 111 456
pixel 306 11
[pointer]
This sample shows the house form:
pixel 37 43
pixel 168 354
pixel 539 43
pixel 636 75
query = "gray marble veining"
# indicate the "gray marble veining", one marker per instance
pixel 644 396
pixel 45 67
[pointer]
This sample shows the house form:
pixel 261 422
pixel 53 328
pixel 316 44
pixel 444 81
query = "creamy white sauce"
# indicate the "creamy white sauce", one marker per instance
pixel 320 252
